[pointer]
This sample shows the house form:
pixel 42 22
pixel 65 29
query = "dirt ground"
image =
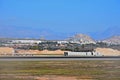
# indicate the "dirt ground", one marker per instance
pixel 40 52
pixel 108 52
pixel 6 50
pixel 103 51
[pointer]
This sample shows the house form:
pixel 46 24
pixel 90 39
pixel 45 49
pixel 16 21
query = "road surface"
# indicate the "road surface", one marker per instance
pixel 39 58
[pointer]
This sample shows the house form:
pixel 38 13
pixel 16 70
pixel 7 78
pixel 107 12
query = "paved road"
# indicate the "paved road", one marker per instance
pixel 30 58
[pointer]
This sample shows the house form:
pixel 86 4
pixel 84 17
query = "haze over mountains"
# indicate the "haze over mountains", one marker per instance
pixel 112 31
pixel 32 32
pixel 29 32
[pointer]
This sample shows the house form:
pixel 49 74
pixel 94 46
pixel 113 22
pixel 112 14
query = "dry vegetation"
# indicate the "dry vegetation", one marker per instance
pixel 60 70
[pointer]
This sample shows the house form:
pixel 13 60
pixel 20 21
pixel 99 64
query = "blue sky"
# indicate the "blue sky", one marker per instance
pixel 68 16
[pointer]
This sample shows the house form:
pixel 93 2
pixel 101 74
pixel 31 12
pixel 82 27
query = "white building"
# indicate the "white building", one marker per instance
pixel 26 41
pixel 62 42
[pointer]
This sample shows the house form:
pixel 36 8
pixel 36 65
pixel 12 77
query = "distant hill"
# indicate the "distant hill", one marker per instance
pixel 81 38
pixel 112 31
pixel 37 32
pixel 29 32
pixel 113 40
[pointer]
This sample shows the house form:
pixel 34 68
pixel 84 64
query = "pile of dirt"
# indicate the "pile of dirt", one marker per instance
pixel 40 52
pixel 51 52
pixel 6 50
pixel 108 51
pixel 103 51
pixel 27 51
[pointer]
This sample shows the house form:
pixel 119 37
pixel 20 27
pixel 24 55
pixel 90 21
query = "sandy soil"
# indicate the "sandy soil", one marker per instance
pixel 40 52
pixel 103 51
pixel 6 50
pixel 108 52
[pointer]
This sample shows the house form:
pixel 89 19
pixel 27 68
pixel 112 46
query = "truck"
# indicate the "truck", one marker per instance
pixel 82 54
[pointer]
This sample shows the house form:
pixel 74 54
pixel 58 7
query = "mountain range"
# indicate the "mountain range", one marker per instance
pixel 29 32
pixel 81 38
pixel 112 31
pixel 113 40
pixel 33 32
